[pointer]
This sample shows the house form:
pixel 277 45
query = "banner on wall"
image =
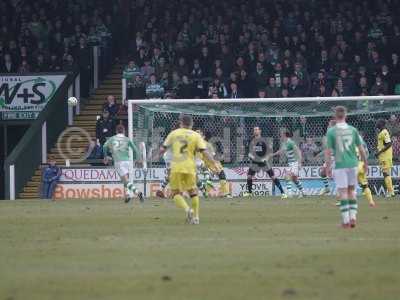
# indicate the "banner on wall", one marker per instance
pixel 97 174
pixel 23 97
pixel 96 182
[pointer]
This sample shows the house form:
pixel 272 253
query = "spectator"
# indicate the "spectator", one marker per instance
pixel 51 176
pixel 338 90
pixel 82 54
pixel 272 91
pixel 24 67
pixel 137 88
pixel 363 88
pixel 246 85
pixel 234 92
pixel 8 66
pixel 147 70
pixel 69 63
pixel 111 106
pixel 40 65
pixel 295 90
pixel 260 75
pixel 262 94
pixel 387 77
pixel 185 89
pixel 130 72
pixel 347 82
pixel 217 88
pixel 105 128
pixel 154 89
pixel 182 67
pixel 54 65
pixel 379 88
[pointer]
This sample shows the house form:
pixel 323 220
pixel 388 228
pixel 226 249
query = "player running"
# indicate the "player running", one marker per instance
pixel 167 157
pixel 323 172
pixel 385 155
pixel 119 145
pixel 215 168
pixel 259 160
pixel 294 158
pixel 184 143
pixel 343 141
pixel 362 175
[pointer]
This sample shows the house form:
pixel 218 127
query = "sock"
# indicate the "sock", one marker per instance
pixel 224 187
pixel 345 211
pixel 299 185
pixel 389 184
pixel 325 181
pixel 353 206
pixel 181 203
pixel 164 183
pixel 131 187
pixel 289 186
pixel 277 183
pixel 196 205
pixel 249 185
pixel 368 195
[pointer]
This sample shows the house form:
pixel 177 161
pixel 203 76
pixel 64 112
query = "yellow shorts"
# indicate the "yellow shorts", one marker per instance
pixel 386 165
pixel 362 177
pixel 215 168
pixel 182 182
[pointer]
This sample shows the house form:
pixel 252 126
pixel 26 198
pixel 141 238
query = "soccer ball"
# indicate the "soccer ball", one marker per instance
pixel 72 101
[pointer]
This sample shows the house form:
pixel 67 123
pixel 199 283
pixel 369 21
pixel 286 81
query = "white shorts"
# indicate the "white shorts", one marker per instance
pixel 294 168
pixel 123 167
pixel 345 177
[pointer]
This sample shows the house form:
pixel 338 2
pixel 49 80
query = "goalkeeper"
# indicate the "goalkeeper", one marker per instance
pixel 214 167
pixel 258 154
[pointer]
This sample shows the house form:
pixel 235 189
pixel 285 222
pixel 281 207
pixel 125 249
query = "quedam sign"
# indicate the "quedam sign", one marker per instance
pixel 87 183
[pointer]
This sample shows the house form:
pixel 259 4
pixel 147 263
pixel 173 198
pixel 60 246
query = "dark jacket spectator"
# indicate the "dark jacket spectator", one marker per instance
pixel 272 91
pixel 105 127
pixel 379 88
pixel 234 92
pixel 7 65
pixel 51 176
pixel 111 106
pixel 185 89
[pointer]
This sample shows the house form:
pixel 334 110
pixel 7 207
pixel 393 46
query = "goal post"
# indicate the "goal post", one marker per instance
pixel 228 124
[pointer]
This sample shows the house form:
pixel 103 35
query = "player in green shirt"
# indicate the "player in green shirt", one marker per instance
pixel 294 158
pixel 119 146
pixel 343 141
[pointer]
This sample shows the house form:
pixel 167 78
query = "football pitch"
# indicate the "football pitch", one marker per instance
pixel 253 248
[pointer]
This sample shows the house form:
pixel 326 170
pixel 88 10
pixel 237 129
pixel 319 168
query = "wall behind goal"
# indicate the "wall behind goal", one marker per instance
pixel 94 182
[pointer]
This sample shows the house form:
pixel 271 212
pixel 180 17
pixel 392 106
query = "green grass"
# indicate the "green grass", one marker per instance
pixel 243 249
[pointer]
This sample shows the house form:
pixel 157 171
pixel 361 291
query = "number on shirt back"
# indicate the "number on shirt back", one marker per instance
pixel 184 145
pixel 344 142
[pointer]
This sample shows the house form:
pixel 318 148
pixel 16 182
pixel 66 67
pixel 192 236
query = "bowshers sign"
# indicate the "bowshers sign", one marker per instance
pixel 82 183
pixel 23 97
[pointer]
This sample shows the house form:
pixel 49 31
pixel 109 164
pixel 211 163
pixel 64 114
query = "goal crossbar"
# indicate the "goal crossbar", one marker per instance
pixel 265 100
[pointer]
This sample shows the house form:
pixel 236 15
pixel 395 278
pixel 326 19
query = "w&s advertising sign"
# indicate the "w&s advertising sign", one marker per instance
pixel 23 97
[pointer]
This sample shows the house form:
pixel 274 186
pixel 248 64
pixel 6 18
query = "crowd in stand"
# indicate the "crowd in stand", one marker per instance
pixel 53 35
pixel 275 48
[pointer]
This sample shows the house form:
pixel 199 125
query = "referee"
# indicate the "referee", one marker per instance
pixel 259 160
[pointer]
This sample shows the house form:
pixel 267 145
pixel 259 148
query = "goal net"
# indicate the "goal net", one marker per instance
pixel 228 125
